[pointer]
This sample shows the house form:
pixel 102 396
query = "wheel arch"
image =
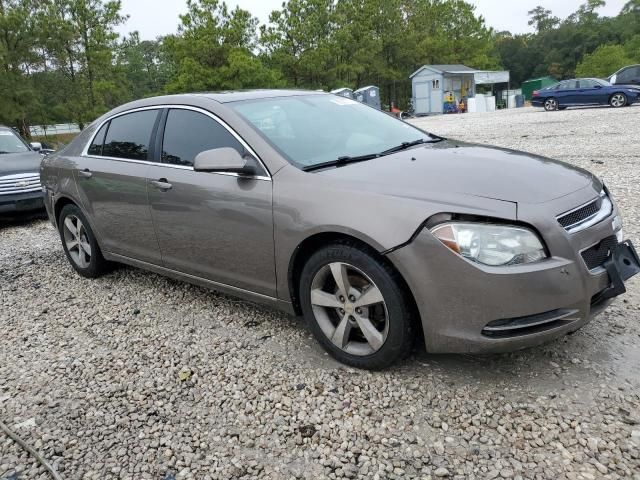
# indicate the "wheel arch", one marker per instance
pixel 65 200
pixel 314 242
pixel 551 97
pixel 60 203
pixel 620 92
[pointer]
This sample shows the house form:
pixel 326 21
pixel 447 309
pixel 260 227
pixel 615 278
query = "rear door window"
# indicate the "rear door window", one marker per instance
pixel 625 75
pixel 568 85
pixel 187 133
pixel 129 135
pixel 98 141
pixel 630 75
pixel 588 84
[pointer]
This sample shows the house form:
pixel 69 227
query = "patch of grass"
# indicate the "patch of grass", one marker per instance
pixel 56 140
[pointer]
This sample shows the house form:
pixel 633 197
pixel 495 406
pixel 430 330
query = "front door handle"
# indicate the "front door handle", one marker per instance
pixel 162 184
pixel 86 173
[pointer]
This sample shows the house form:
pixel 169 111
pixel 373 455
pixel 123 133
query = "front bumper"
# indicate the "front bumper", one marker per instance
pixel 21 202
pixel 459 302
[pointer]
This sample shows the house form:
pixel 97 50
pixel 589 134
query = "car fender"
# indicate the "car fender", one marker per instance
pixel 305 204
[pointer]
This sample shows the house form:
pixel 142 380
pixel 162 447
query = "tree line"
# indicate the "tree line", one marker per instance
pixel 62 60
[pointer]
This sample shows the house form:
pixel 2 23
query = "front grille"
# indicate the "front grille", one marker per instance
pixel 580 215
pixel 595 256
pixel 20 183
pixel 587 215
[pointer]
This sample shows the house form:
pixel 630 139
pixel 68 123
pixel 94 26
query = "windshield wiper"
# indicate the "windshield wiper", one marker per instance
pixel 341 161
pixel 370 156
pixel 405 145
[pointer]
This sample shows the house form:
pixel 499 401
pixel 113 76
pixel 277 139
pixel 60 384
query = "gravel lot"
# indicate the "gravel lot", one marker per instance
pixel 137 376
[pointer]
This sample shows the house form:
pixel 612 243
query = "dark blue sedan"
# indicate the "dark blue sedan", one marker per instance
pixel 584 91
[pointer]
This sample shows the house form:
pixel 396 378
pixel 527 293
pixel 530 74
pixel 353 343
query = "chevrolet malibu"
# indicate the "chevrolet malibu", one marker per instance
pixel 373 230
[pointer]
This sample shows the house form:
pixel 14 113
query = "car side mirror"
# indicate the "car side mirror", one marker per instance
pixel 37 146
pixel 224 159
pixel 598 86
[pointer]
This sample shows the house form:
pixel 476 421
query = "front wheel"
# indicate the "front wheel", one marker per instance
pixel 618 100
pixel 355 307
pixel 551 104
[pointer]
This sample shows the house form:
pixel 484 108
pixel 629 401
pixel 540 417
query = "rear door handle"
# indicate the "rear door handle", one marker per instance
pixel 162 184
pixel 86 173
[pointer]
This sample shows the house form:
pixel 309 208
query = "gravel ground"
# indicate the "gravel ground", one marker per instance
pixel 136 376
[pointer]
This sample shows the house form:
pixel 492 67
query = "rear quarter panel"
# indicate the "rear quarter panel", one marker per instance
pixel 56 174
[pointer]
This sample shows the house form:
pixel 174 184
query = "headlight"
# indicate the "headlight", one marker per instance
pixel 493 245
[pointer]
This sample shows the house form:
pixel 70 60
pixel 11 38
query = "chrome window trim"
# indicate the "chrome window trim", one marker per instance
pixel 215 118
pixel 606 209
pixel 178 167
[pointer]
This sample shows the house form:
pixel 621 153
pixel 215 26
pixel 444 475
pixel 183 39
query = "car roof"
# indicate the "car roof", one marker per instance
pixel 201 99
pixel 240 95
pixel 581 78
pixel 628 66
pixel 7 129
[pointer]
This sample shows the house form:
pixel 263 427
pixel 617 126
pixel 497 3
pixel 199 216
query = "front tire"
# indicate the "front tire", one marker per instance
pixel 79 243
pixel 551 104
pixel 355 306
pixel 618 100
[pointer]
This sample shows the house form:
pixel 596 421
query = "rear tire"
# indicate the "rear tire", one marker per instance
pixel 618 100
pixel 551 104
pixel 80 244
pixel 355 306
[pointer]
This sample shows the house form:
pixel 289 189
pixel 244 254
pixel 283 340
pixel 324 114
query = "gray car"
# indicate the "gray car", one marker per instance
pixel 375 231
pixel 20 189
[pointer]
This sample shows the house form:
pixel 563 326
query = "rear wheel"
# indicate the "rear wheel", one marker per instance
pixel 618 100
pixel 79 243
pixel 551 104
pixel 355 307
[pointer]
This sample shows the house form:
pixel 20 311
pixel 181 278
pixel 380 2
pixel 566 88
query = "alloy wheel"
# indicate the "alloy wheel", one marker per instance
pixel 349 308
pixel 618 100
pixel 76 241
pixel 551 104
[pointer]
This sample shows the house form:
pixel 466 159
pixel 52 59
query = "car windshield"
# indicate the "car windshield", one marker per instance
pixel 604 83
pixel 314 129
pixel 11 143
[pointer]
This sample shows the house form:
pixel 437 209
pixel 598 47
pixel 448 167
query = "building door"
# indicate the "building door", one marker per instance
pixel 422 98
pixel 436 98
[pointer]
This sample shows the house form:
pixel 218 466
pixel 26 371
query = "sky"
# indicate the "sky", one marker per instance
pixel 153 18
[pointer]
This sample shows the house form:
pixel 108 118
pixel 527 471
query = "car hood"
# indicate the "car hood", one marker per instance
pixel 455 167
pixel 27 162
